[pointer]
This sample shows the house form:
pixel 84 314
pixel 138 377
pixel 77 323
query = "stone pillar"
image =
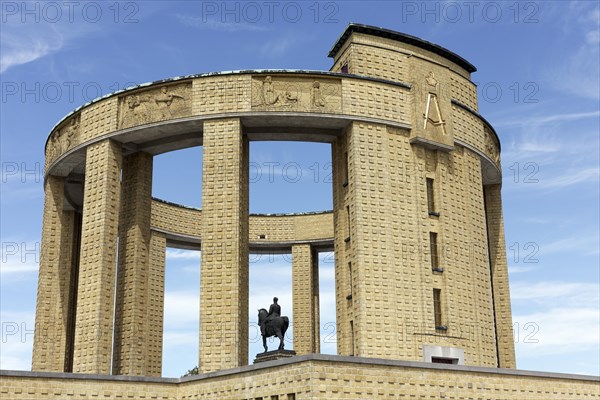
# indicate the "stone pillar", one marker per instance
pixel 156 303
pixel 224 268
pixel 364 245
pixel 95 299
pixel 133 310
pixel 342 195
pixel 52 340
pixel 499 277
pixel 305 280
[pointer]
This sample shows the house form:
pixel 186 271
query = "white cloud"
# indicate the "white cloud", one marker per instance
pixel 577 72
pixel 540 120
pixel 562 318
pixel 176 254
pixel 176 338
pixel 17 267
pixel 19 257
pixel 182 309
pixel 16 344
pixel 569 178
pixel 21 46
pixel 584 244
pixel 551 294
pixel 557 331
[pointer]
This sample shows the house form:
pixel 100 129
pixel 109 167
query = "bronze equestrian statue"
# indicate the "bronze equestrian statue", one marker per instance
pixel 272 324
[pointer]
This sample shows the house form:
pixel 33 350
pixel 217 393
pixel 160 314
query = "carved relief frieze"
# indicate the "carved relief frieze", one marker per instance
pixel 64 138
pixel 156 104
pixel 274 93
pixel 491 146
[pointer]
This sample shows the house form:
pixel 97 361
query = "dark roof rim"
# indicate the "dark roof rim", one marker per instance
pixel 400 37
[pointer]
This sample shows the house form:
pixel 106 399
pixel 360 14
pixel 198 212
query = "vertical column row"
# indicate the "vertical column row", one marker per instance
pixel 95 299
pixel 499 277
pixel 305 291
pixel 76 294
pixel 51 348
pixel 224 272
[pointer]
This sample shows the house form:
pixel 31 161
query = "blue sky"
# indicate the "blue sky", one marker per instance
pixel 538 77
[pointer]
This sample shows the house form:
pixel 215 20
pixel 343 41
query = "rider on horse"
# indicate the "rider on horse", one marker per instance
pixel 274 310
pixel 273 324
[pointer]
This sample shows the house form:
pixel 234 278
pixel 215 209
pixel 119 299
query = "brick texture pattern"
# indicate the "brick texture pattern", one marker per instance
pixel 52 323
pixel 95 300
pixel 132 327
pixel 156 304
pixel 224 272
pixel 499 275
pixel 381 224
pixel 305 292
pixel 314 379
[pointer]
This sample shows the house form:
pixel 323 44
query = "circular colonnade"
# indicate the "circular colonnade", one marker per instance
pixel 400 115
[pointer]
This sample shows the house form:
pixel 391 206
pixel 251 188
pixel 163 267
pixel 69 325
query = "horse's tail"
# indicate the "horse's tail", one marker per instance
pixel 286 324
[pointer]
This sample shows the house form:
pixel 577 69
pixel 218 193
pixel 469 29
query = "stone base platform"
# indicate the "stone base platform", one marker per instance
pixel 311 377
pixel 273 355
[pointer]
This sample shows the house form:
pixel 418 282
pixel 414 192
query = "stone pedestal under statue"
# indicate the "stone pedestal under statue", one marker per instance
pixel 273 355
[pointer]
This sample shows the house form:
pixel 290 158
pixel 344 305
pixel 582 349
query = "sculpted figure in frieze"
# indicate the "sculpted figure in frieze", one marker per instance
pixel 153 105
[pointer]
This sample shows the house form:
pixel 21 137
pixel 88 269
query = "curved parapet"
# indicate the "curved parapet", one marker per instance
pixel 272 105
pixel 269 233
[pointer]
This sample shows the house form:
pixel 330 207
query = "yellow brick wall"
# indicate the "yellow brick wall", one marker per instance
pixel 305 292
pixel 316 377
pixel 381 48
pixel 499 277
pixel 221 94
pixel 23 388
pixel 224 273
pixel 276 228
pixel 463 254
pixel 376 100
pixel 95 299
pixel 380 63
pixel 343 195
pixel 463 90
pixel 234 94
pixel 156 304
pixel 52 323
pixel 132 328
pixel 380 222
pixel 98 119
pixel 291 227
pixel 391 307
pixel 177 219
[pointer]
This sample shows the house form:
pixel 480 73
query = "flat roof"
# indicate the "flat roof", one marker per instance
pixel 400 37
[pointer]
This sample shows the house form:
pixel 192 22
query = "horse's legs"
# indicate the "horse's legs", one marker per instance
pixel 280 336
pixel 265 343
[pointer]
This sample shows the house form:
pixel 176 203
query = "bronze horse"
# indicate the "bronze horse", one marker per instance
pixel 275 327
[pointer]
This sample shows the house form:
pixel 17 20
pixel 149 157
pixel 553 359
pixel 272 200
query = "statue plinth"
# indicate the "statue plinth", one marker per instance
pixel 273 355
